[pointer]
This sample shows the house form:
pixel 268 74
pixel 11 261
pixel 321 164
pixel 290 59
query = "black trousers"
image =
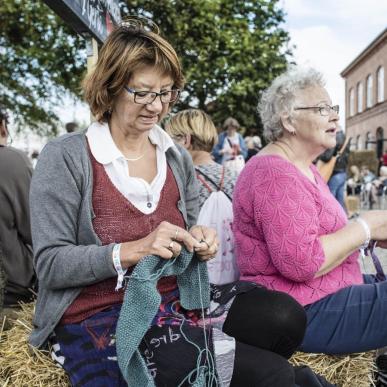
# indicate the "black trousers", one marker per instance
pixel 268 327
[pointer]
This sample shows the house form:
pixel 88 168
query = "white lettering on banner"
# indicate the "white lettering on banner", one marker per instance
pixel 113 8
pixel 94 13
pixel 93 16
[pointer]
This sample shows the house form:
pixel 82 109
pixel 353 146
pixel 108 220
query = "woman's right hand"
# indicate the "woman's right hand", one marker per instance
pixel 377 222
pixel 166 241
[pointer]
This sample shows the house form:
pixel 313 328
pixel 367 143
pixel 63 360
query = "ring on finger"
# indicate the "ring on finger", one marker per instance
pixel 176 232
pixel 170 247
pixel 204 241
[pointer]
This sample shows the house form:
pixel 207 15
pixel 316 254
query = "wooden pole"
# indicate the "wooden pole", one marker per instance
pixel 92 57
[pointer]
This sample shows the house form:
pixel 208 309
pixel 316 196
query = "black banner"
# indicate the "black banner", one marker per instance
pixel 95 17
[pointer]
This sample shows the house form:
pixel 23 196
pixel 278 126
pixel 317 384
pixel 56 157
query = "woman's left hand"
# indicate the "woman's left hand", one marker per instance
pixel 208 240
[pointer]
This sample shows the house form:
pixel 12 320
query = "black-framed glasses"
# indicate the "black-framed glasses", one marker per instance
pixel 324 110
pixel 147 97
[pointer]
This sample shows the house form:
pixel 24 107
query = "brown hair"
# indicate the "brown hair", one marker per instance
pixel 128 48
pixel 196 123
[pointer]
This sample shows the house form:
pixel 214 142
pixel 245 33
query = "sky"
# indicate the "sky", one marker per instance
pixel 329 34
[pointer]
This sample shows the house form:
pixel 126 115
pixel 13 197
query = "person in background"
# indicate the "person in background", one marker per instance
pixel 383 159
pixel 230 143
pixel 337 181
pixel 354 183
pixel 15 232
pixel 34 158
pixel 71 127
pixel 195 131
pixel 292 235
pixel 253 144
pixel 371 184
pixel 115 199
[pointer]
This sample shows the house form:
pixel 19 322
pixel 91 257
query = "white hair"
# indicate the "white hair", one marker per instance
pixel 280 97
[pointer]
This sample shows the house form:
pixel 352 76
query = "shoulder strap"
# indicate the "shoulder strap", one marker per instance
pixel 219 187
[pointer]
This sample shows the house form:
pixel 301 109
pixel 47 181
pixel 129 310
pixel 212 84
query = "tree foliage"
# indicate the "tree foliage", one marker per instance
pixel 230 51
pixel 41 62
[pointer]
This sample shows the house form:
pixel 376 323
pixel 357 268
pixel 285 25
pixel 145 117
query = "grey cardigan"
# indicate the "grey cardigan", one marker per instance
pixel 68 255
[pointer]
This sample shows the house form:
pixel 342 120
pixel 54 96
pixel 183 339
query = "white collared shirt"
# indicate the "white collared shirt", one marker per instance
pixel 144 196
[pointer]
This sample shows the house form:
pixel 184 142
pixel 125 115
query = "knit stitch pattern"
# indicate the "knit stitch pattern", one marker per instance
pixel 279 217
pixel 141 303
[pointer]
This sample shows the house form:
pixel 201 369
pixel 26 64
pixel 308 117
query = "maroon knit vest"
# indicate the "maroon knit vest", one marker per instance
pixel 117 220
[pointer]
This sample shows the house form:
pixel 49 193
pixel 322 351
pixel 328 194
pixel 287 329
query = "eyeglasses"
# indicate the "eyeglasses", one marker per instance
pixel 147 97
pixel 324 110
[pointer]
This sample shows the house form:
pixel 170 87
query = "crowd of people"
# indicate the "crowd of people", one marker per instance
pixel 109 238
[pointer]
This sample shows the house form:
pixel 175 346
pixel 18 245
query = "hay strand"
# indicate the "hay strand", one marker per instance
pixel 22 365
pixel 345 371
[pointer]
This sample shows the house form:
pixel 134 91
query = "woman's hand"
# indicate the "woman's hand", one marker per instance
pixel 208 240
pixel 166 241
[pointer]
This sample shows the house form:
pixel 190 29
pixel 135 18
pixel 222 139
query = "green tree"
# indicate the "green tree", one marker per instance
pixel 230 51
pixel 41 62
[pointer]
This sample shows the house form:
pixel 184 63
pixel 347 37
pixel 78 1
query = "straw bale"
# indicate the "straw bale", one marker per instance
pixel 364 157
pixel 22 365
pixel 345 371
pixel 3 279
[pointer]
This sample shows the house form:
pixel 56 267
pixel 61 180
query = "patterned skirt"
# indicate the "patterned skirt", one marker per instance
pixel 174 348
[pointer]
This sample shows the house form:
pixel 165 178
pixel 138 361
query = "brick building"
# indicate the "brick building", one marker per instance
pixel 366 97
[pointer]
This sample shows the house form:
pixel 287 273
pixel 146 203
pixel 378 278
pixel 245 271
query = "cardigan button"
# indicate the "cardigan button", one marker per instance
pixel 149 204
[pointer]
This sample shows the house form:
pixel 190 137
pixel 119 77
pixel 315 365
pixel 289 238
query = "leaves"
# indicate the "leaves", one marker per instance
pixel 41 62
pixel 230 51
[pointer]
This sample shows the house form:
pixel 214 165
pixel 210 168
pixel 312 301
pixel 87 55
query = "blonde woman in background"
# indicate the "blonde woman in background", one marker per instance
pixel 194 129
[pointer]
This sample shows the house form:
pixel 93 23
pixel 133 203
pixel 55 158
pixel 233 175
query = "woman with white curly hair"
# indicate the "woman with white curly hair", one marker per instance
pixel 291 233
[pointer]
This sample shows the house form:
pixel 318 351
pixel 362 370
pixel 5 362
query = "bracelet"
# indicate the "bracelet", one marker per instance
pixel 367 231
pixel 117 266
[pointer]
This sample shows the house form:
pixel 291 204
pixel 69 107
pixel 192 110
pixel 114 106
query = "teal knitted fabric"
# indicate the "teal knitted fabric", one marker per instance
pixel 142 301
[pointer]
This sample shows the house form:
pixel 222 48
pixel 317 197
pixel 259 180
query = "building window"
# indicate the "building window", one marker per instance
pixel 380 81
pixel 370 141
pixel 359 97
pixel 358 142
pixel 369 91
pixel 351 102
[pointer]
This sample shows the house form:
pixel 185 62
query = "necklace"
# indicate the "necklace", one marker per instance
pixel 283 150
pixel 136 158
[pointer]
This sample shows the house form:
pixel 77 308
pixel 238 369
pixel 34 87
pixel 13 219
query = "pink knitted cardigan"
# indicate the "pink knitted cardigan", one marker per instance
pixel 279 215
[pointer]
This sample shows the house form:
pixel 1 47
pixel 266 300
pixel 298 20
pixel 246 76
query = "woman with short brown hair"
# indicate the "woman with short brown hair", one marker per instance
pixel 111 201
